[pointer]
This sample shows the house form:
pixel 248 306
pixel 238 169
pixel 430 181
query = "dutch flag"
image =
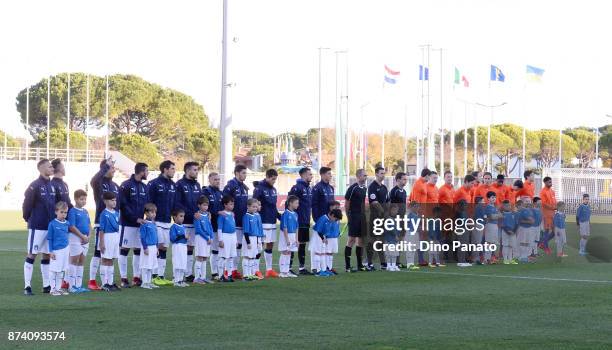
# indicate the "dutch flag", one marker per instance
pixel 391 76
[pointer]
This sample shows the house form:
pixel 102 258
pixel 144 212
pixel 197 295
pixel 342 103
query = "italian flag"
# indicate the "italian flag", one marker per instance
pixel 461 78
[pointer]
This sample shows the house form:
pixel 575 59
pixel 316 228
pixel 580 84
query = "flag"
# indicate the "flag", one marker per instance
pixel 391 76
pixel 497 74
pixel 534 74
pixel 461 78
pixel 423 72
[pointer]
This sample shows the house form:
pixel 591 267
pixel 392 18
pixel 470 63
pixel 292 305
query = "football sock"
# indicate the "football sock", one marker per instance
pixel 93 267
pixel 198 269
pixel 347 257
pixel 78 279
pixel 44 270
pixel 214 262
pixel 189 270
pixel 302 254
pixel 123 259
pixel 136 263
pixel 359 254
pixel 28 266
pixel 268 258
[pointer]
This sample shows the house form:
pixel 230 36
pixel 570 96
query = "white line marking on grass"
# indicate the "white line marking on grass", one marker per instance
pixel 512 277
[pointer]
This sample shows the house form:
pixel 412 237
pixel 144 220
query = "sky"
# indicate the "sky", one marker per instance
pixel 273 57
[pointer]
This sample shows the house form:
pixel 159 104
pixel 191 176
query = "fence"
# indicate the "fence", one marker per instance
pixel 38 153
pixel 571 183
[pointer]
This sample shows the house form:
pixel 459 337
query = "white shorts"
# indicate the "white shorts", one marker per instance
pixel 316 244
pixel 76 247
pixel 269 233
pixel 332 246
pixel 491 233
pixel 60 263
pixel 190 232
pixel 202 248
pixel 130 237
pixel 229 246
pixel 560 236
pixel 163 233
pixel 37 242
pixel 111 246
pixel 179 256
pixel 522 234
pixel 239 234
pixel 149 261
pixel 585 228
pixel 509 241
pixel 256 247
pixel 282 244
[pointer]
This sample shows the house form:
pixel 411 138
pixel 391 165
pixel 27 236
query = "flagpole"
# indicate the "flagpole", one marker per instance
pixel 405 138
pixel 475 138
pixel 48 112
pixel 68 123
pixel 523 162
pixel 347 168
pixel 382 161
pixel 320 144
pixel 27 141
pixel 452 142
pixel 465 139
pixel 106 120
pixel 441 112
pixel 87 158
pixel 431 147
pixel 420 135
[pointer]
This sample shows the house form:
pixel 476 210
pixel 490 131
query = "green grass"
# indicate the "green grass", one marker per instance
pixel 482 307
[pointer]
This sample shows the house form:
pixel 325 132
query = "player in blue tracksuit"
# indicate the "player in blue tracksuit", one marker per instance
pixel 62 193
pixel 214 195
pixel 188 190
pixel 134 196
pixel 162 193
pixel 38 210
pixel 322 194
pixel 303 191
pixel 583 220
pixel 101 183
pixel 237 189
pixel 265 193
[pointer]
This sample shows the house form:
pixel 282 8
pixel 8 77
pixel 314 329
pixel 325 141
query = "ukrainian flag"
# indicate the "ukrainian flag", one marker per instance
pixel 534 74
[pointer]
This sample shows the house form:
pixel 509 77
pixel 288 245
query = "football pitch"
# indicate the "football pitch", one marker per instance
pixel 551 304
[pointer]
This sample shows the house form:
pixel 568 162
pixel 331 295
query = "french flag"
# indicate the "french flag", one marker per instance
pixel 391 75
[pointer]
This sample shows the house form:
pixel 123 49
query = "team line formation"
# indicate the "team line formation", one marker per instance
pixel 227 227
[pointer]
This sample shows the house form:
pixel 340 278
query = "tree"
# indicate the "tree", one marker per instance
pixel 10 141
pixel 267 151
pixel 57 139
pixel 547 154
pixel 136 147
pixel 512 148
pixel 164 115
pixel 585 140
pixel 204 146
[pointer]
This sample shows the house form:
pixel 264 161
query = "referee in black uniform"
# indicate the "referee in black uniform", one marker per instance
pixel 378 197
pixel 354 206
pixel 398 196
